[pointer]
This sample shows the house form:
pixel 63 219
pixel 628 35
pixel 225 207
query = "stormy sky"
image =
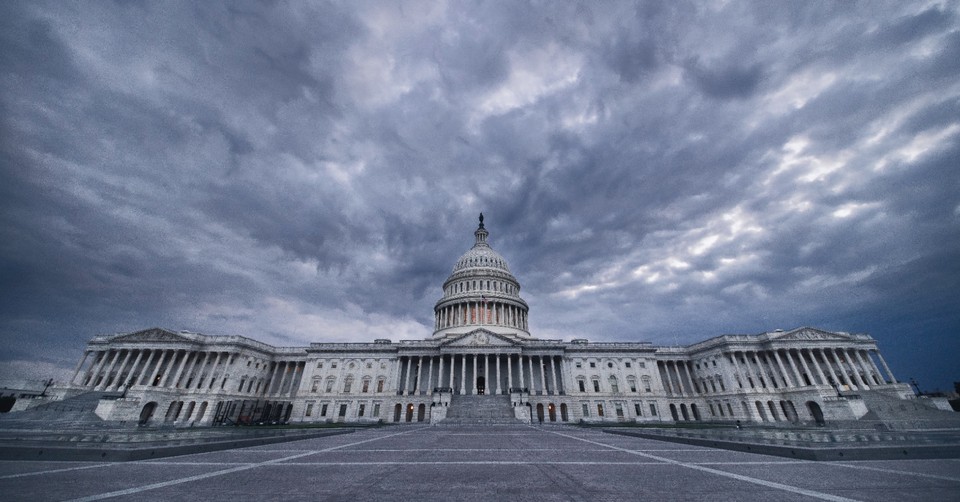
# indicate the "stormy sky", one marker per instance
pixel 297 172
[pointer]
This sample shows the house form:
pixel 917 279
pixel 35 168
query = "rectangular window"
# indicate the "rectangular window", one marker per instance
pixel 637 409
pixel 309 410
pixel 316 384
pixel 633 386
pixel 619 409
pixel 323 411
pixel 653 409
pixel 643 364
pixel 347 385
pixel 376 410
pixel 329 387
pixel 579 364
pixel 586 410
pixel 379 385
pixel 599 410
pixel 360 411
pixel 628 364
pixel 583 387
pixel 343 410
pixel 593 365
pixel 366 386
pixel 596 385
pixel 333 365
pixel 320 365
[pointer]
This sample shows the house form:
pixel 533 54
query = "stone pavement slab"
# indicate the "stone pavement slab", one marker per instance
pixel 481 463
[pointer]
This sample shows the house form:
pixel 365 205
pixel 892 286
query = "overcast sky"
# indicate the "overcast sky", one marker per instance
pixel 304 172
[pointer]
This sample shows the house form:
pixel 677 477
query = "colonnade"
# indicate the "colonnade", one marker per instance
pixel 476 373
pixel 114 369
pixel 480 313
pixel 759 370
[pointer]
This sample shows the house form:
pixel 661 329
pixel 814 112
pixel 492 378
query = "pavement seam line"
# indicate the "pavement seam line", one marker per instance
pixel 172 482
pixel 53 471
pixel 740 477
pixel 892 471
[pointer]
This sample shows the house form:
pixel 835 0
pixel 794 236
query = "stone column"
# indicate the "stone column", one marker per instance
pixel 132 374
pixel 533 383
pixel 553 376
pixel 463 374
pixel 665 377
pixel 416 381
pixel 213 371
pixel 499 385
pixel 106 372
pixel 877 372
pixel 793 367
pixel 146 367
pixel 156 370
pixel 520 370
pixel 406 381
pixel 453 363
pixel 686 370
pixel 429 388
pixel 176 376
pixel 118 381
pixel 486 374
pixel 861 365
pixel 558 368
pixel 816 367
pixel 197 357
pixel 829 365
pixel 473 377
pixel 509 372
pixel 853 367
pixel 783 370
pixel 440 373
pixel 76 373
pixel 739 371
pixel 543 378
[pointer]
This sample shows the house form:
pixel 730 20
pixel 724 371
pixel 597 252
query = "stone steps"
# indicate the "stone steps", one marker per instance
pixel 480 410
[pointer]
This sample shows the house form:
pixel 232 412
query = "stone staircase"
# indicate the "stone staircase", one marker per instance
pixel 72 411
pixel 480 410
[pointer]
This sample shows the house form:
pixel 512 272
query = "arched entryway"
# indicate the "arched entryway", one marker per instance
pixel 481 385
pixel 540 412
pixel 683 411
pixel 673 412
pixel 696 412
pixel 421 412
pixel 147 412
pixel 563 412
pixel 410 412
pixel 816 412
pixel 552 412
pixel 397 410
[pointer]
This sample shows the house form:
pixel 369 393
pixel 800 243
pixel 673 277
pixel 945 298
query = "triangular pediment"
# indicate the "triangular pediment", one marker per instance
pixel 480 338
pixel 151 335
pixel 809 334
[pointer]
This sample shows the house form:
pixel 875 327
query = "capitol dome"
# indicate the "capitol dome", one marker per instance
pixel 481 292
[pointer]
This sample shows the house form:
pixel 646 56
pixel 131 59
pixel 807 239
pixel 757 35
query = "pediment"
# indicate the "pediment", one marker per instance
pixel 480 338
pixel 810 334
pixel 151 335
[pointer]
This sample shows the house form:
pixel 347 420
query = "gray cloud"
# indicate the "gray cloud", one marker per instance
pixel 659 172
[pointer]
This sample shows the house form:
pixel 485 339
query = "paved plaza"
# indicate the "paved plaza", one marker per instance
pixel 481 463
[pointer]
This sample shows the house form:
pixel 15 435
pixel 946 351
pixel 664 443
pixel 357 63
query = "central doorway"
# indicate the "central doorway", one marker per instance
pixel 481 385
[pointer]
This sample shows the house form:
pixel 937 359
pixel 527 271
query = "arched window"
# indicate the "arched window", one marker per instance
pixel 632 382
pixel 347 384
pixel 331 381
pixel 380 382
pixel 613 384
pixel 366 385
pixel 596 384
pixel 582 383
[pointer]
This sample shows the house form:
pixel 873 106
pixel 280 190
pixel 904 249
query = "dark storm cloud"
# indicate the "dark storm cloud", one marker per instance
pixel 294 173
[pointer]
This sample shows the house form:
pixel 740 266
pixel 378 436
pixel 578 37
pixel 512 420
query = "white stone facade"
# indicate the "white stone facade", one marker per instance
pixel 482 346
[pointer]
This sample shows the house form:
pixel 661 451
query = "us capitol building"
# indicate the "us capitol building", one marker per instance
pixel 482 365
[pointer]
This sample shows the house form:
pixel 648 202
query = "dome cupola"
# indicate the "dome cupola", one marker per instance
pixel 481 291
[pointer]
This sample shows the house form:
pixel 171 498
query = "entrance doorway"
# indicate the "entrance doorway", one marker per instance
pixel 481 385
pixel 540 412
pixel 147 412
pixel 816 412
